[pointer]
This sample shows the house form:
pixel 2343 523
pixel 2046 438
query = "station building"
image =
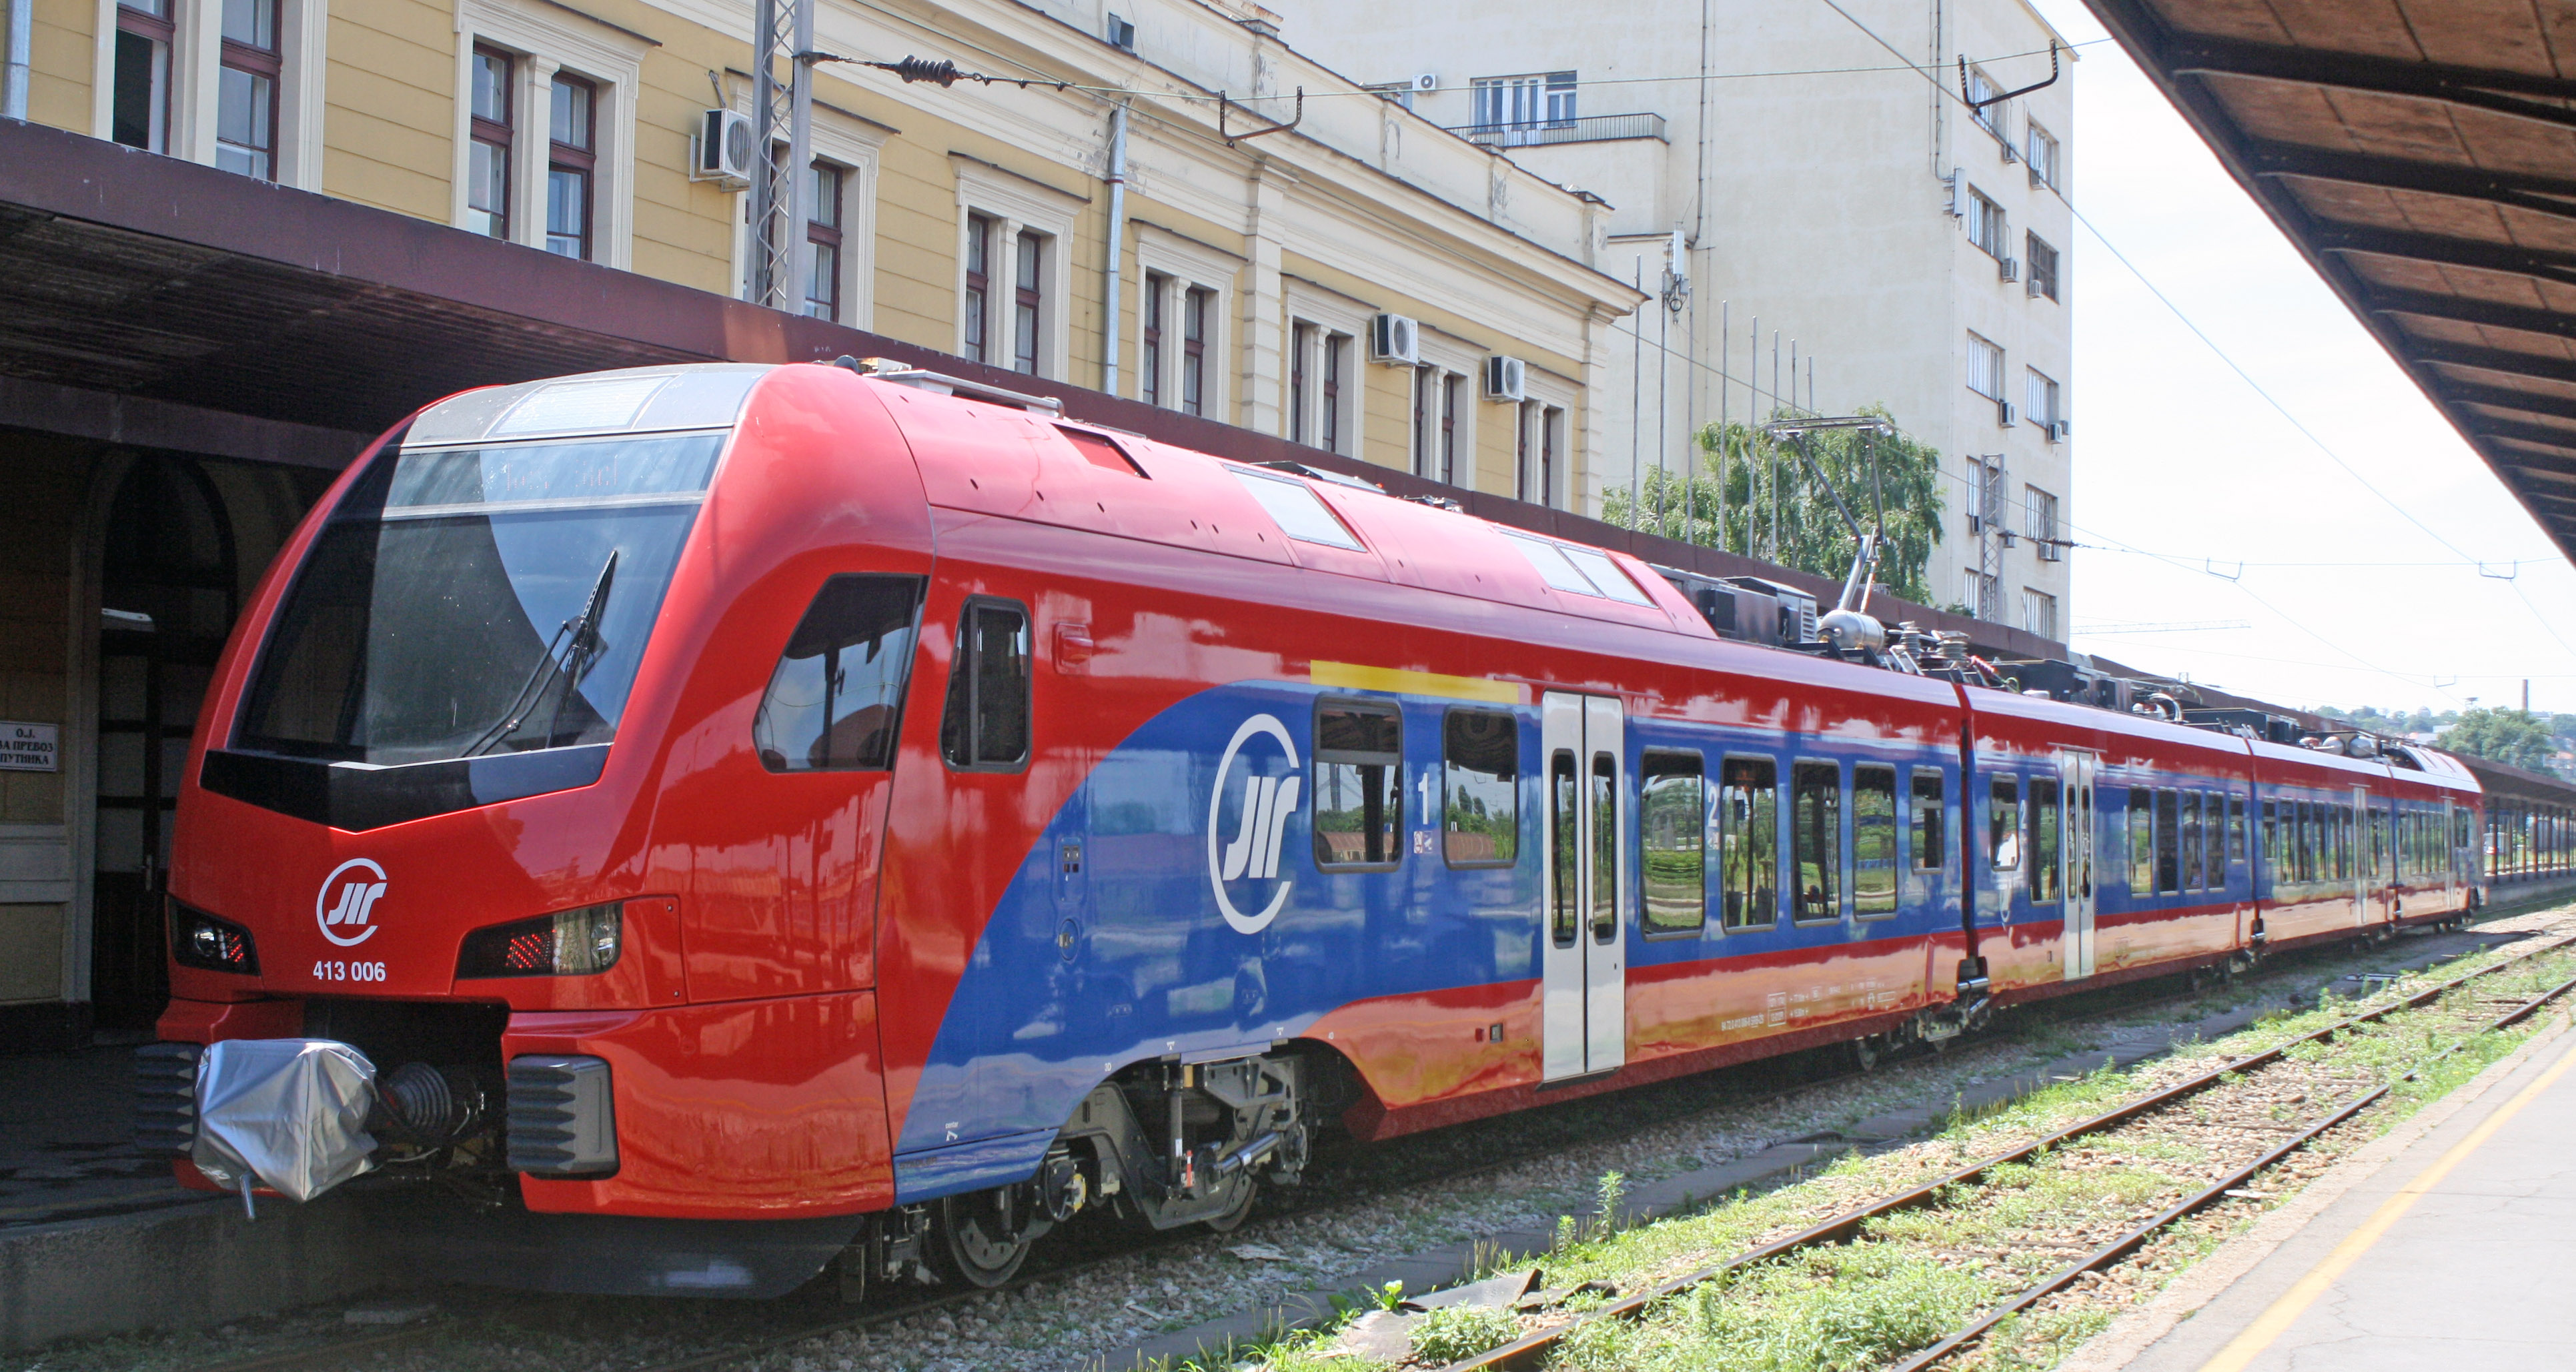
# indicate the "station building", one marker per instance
pixel 241 236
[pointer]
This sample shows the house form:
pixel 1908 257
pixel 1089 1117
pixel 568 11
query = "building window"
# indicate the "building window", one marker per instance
pixel 1541 438
pixel 140 113
pixel 1195 305
pixel 2041 153
pixel 487 187
pixel 1301 344
pixel 1337 350
pixel 1986 226
pixel 979 287
pixel 1393 92
pixel 2039 612
pixel 2039 523
pixel 1982 88
pixel 1150 339
pixel 570 167
pixel 1985 368
pixel 1025 301
pixel 1450 385
pixel 2043 265
pixel 823 183
pixel 1523 102
pixel 2039 401
pixel 246 90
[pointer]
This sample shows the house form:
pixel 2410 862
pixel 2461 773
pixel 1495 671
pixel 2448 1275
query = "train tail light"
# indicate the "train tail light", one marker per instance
pixel 200 940
pixel 568 943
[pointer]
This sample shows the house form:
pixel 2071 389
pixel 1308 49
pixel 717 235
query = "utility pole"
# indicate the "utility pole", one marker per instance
pixel 781 114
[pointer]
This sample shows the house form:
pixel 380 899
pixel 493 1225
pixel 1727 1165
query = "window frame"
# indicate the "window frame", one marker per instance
pixel 161 33
pixel 956 661
pixel 831 185
pixel 1839 843
pixel 1317 756
pixel 580 159
pixel 1915 775
pixel 1899 838
pixel 501 134
pixel 1992 375
pixel 1448 858
pixel 2036 251
pixel 1771 859
pixel 1189 266
pixel 920 587
pixel 268 64
pixel 1030 250
pixel 1645 908
pixel 975 301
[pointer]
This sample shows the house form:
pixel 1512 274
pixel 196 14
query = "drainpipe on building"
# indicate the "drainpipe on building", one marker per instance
pixel 1117 248
pixel 13 89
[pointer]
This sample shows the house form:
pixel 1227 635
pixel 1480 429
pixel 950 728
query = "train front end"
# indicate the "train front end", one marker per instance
pixel 465 800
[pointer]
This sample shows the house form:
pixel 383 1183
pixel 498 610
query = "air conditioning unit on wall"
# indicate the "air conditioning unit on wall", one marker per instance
pixel 2008 269
pixel 1395 341
pixel 721 149
pixel 2005 414
pixel 1426 83
pixel 1506 378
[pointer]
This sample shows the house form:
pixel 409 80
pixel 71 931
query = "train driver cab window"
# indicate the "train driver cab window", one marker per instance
pixel 2168 841
pixel 1481 810
pixel 1816 840
pixel 2044 869
pixel 1748 864
pixel 1874 851
pixel 1672 820
pixel 837 693
pixel 986 727
pixel 1359 785
pixel 1929 818
pixel 2003 825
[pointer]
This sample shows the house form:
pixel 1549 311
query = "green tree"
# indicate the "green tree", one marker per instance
pixel 1753 496
pixel 2507 736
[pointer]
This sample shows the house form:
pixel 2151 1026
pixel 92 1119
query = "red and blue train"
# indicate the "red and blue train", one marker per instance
pixel 742 815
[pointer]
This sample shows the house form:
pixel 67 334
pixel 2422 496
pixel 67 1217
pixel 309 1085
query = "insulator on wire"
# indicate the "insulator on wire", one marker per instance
pixel 943 72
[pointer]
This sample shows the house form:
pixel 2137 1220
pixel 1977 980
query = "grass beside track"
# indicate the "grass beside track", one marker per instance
pixel 1916 1275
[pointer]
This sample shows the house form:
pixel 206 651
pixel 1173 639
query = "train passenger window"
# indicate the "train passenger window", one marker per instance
pixel 2272 841
pixel 2303 836
pixel 2213 841
pixel 2003 824
pixel 1816 839
pixel 1481 810
pixel 1359 785
pixel 1672 826
pixel 2044 873
pixel 1605 848
pixel 837 691
pixel 1748 807
pixel 987 723
pixel 2236 828
pixel 1930 817
pixel 1874 851
pixel 2192 856
pixel 2142 841
pixel 1296 509
pixel 2168 841
pixel 1564 819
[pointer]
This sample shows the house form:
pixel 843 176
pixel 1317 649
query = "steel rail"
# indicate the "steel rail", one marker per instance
pixel 1527 1352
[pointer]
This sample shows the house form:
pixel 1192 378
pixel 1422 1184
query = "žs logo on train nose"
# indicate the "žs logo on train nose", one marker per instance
pixel 1255 796
pixel 347 898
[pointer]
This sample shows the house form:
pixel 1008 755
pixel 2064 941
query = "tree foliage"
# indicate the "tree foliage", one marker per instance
pixel 2508 736
pixel 1753 496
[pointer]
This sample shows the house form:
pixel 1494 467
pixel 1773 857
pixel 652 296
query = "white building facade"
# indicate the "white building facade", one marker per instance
pixel 1825 227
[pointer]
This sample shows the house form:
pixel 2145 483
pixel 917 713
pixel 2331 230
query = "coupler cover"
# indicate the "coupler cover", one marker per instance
pixel 290 1114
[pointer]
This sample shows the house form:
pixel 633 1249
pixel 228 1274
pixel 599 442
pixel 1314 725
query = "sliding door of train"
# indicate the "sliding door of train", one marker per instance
pixel 2079 839
pixel 1585 967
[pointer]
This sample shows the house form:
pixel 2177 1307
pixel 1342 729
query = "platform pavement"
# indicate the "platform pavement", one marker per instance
pixel 2456 1252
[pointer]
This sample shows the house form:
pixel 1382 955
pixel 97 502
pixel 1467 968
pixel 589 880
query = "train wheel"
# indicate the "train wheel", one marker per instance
pixel 983 1238
pixel 1865 1052
pixel 1232 1219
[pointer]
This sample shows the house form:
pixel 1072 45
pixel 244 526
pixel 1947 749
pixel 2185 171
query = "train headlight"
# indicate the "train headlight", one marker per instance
pixel 568 943
pixel 200 940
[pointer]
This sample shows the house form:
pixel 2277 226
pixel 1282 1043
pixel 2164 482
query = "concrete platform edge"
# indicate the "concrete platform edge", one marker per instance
pixel 2133 1333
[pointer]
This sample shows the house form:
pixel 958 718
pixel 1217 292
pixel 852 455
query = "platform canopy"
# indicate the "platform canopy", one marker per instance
pixel 2422 153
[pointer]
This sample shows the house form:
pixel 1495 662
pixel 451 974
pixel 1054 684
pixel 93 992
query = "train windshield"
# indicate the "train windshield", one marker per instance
pixel 468 602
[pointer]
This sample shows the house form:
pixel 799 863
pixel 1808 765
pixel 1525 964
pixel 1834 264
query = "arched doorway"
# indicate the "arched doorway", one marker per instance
pixel 168 592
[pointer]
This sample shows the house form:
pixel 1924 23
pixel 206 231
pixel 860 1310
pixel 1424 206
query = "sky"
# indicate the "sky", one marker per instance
pixel 2197 502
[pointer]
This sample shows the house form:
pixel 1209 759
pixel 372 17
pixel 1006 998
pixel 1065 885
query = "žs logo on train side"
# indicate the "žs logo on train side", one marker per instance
pixel 341 909
pixel 1255 795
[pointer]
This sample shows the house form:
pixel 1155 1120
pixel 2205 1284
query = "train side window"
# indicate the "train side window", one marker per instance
pixel 2168 841
pixel 2044 873
pixel 1930 818
pixel 1481 810
pixel 2303 838
pixel 2272 841
pixel 1605 847
pixel 2213 849
pixel 1564 914
pixel 1816 839
pixel 1359 785
pixel 2194 836
pixel 1874 854
pixel 2142 842
pixel 986 727
pixel 837 693
pixel 2236 828
pixel 2003 824
pixel 1749 844
pixel 1672 826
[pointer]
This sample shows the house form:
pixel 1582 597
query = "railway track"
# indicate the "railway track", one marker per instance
pixel 1944 1192
pixel 1104 1249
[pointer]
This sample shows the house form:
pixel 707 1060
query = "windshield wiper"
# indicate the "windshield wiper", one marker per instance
pixel 579 656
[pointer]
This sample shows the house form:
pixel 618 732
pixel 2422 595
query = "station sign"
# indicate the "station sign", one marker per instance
pixel 26 747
